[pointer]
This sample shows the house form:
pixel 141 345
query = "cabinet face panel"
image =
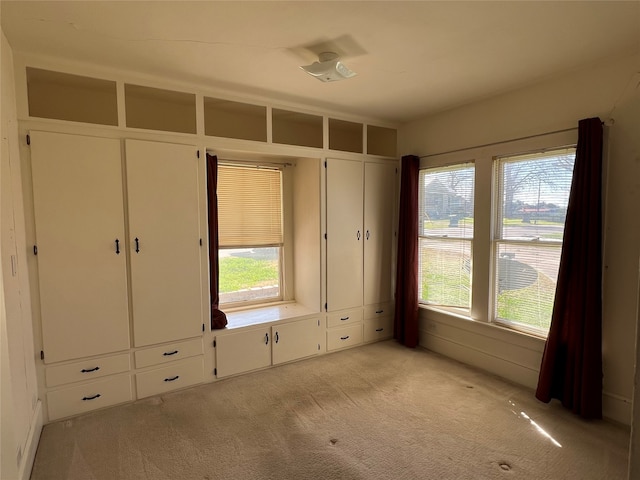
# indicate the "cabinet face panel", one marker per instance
pixel 162 186
pixel 79 215
pixel 379 203
pixel 243 351
pixel 170 377
pixel 89 396
pixel 295 340
pixel 344 234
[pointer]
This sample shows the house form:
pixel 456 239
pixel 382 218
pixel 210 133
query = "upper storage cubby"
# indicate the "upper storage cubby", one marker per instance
pixel 62 96
pixel 381 141
pixel 295 128
pixel 223 118
pixel 157 109
pixel 345 136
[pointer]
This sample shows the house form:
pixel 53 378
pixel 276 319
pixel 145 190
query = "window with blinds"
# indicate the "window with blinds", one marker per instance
pixel 250 232
pixel 445 229
pixel 532 197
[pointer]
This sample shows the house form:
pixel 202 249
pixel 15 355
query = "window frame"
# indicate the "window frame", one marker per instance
pixel 284 252
pixel 498 237
pixel 447 239
pixel 483 156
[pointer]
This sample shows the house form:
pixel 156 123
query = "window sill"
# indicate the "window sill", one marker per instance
pixel 261 314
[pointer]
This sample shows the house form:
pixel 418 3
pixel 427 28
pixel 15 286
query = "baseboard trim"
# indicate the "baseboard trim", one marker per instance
pixel 29 455
pixel 616 408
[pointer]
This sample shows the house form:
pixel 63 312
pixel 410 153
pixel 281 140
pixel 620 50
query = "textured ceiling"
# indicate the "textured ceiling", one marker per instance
pixel 412 58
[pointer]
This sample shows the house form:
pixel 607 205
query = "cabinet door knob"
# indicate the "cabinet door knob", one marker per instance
pixel 117 247
pixel 358 235
pixel 277 337
pixel 266 338
pixel 137 245
pixel 367 234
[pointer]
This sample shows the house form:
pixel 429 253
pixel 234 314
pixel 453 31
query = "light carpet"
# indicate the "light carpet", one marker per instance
pixel 375 412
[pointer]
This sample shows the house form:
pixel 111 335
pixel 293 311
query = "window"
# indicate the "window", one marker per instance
pixel 445 216
pixel 250 232
pixel 532 195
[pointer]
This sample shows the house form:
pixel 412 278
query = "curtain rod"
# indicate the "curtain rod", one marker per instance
pixel 500 143
pixel 609 122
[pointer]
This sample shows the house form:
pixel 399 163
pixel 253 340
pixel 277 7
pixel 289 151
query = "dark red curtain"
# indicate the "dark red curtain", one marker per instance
pixel 406 311
pixel 218 318
pixel 571 369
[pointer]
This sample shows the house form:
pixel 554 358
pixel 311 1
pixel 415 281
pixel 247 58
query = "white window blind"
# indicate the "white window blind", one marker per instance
pixel 249 206
pixel 445 229
pixel 533 193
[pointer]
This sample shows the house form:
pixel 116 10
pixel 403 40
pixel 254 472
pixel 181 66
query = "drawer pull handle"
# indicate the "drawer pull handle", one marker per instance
pixel 344 318
pixel 117 247
pixel 172 378
pixel 379 329
pixel 379 311
pixel 97 395
pixel 168 354
pixel 89 370
pixel 344 338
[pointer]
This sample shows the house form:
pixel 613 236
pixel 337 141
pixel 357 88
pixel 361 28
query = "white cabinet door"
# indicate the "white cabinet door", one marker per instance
pixel 243 351
pixel 379 206
pixel 344 234
pixel 164 231
pixel 79 216
pixel 295 340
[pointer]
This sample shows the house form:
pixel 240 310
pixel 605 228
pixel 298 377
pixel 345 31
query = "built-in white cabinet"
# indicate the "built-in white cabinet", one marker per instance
pixel 345 234
pixel 164 239
pixel 360 226
pixel 379 209
pixel 252 348
pixel 80 242
pixel 118 251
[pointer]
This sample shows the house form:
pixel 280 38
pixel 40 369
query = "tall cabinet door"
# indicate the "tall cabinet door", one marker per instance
pixel 379 206
pixel 79 216
pixel 164 236
pixel 344 234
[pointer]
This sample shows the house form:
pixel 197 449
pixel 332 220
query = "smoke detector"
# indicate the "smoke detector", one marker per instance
pixel 329 68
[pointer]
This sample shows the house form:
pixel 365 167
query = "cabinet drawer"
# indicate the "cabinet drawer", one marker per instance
pixel 89 396
pixel 378 329
pixel 345 317
pixel 378 310
pixel 87 369
pixel 168 353
pixel 176 375
pixel 338 338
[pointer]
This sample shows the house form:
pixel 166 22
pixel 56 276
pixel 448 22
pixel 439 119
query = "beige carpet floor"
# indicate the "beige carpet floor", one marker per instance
pixel 380 411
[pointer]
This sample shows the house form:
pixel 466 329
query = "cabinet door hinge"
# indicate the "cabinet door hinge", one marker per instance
pixel 200 242
pixel 28 139
pixel 35 249
pixel 214 344
pixel 318 347
pixel 203 327
pixel 325 307
pixel 41 354
pixel 215 372
pixel 198 153
pixel 325 236
pixel 325 164
pixel 318 322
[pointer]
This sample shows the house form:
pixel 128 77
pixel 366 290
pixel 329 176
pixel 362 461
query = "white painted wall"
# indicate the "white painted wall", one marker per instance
pixel 609 89
pixel 21 419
